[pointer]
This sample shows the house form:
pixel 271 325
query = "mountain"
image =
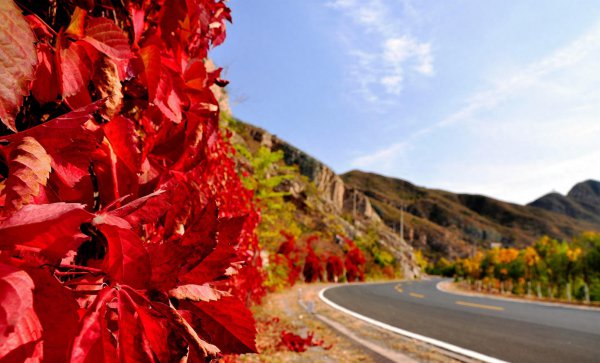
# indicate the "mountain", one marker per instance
pixel 582 202
pixel 451 225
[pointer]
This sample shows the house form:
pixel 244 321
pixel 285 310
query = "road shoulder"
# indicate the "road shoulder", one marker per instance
pixel 349 339
pixel 449 287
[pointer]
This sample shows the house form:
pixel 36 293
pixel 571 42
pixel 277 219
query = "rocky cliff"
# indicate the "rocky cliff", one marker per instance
pixel 330 186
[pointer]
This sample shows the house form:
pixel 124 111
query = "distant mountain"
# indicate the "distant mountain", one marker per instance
pixel 582 202
pixel 451 225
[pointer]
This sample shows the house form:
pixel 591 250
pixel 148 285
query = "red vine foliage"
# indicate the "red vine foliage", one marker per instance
pixel 313 268
pixel 125 233
pixel 292 258
pixel 296 343
pixel 354 262
pixel 334 267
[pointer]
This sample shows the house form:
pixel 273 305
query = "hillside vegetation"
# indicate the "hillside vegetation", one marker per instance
pixel 304 204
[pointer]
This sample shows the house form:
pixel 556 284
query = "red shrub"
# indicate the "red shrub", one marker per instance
pixel 354 262
pixel 313 268
pixel 335 268
pixel 291 253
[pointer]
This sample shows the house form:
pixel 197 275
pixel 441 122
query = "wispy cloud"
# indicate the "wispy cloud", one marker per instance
pixel 383 54
pixel 505 88
pixel 530 128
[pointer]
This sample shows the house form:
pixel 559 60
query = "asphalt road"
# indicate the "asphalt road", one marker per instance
pixel 506 330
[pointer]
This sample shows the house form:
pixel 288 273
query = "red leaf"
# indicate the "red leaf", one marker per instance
pixel 173 13
pixel 17 60
pixel 93 343
pixel 131 346
pixel 166 259
pixel 29 168
pixel 137 19
pixel 121 134
pixel 40 29
pixel 229 229
pixel 169 97
pixel 155 326
pixel 150 56
pixel 67 141
pixel 107 38
pixel 126 260
pixel 227 322
pixel 195 293
pixel 214 266
pixel 20 329
pixel 53 303
pixel 16 287
pixel 76 62
pixel 45 86
pixel 196 76
pixel 54 228
pixel 144 210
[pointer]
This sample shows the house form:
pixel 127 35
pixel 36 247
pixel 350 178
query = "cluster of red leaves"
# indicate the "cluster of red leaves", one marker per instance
pixel 316 266
pixel 125 233
pixel 290 252
pixel 313 268
pixel 296 343
pixel 334 267
pixel 354 262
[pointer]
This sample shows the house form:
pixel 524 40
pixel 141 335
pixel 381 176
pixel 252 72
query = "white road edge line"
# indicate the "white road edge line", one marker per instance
pixel 435 342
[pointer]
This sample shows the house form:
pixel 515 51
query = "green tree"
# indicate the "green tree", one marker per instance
pixel 265 176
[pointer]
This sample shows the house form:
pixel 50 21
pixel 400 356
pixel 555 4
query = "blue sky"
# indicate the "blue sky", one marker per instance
pixel 500 98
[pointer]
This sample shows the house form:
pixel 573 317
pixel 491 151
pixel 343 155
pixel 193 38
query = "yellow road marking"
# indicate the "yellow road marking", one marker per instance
pixel 489 307
pixel 398 288
pixel 419 296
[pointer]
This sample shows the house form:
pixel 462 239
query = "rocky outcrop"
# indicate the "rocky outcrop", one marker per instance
pixel 328 183
pixel 330 186
pixel 356 202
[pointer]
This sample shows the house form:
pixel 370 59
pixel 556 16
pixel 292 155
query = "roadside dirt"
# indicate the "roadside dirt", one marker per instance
pixel 358 341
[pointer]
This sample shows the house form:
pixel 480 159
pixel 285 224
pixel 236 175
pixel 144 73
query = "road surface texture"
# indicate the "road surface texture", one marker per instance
pixel 506 330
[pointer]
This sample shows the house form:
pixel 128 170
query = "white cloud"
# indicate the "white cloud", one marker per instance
pixel 384 158
pixel 532 130
pixel 392 54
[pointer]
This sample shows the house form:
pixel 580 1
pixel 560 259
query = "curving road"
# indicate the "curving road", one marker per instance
pixel 506 330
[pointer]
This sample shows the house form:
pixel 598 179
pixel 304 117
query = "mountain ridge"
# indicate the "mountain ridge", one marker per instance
pixel 453 224
pixel 581 202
